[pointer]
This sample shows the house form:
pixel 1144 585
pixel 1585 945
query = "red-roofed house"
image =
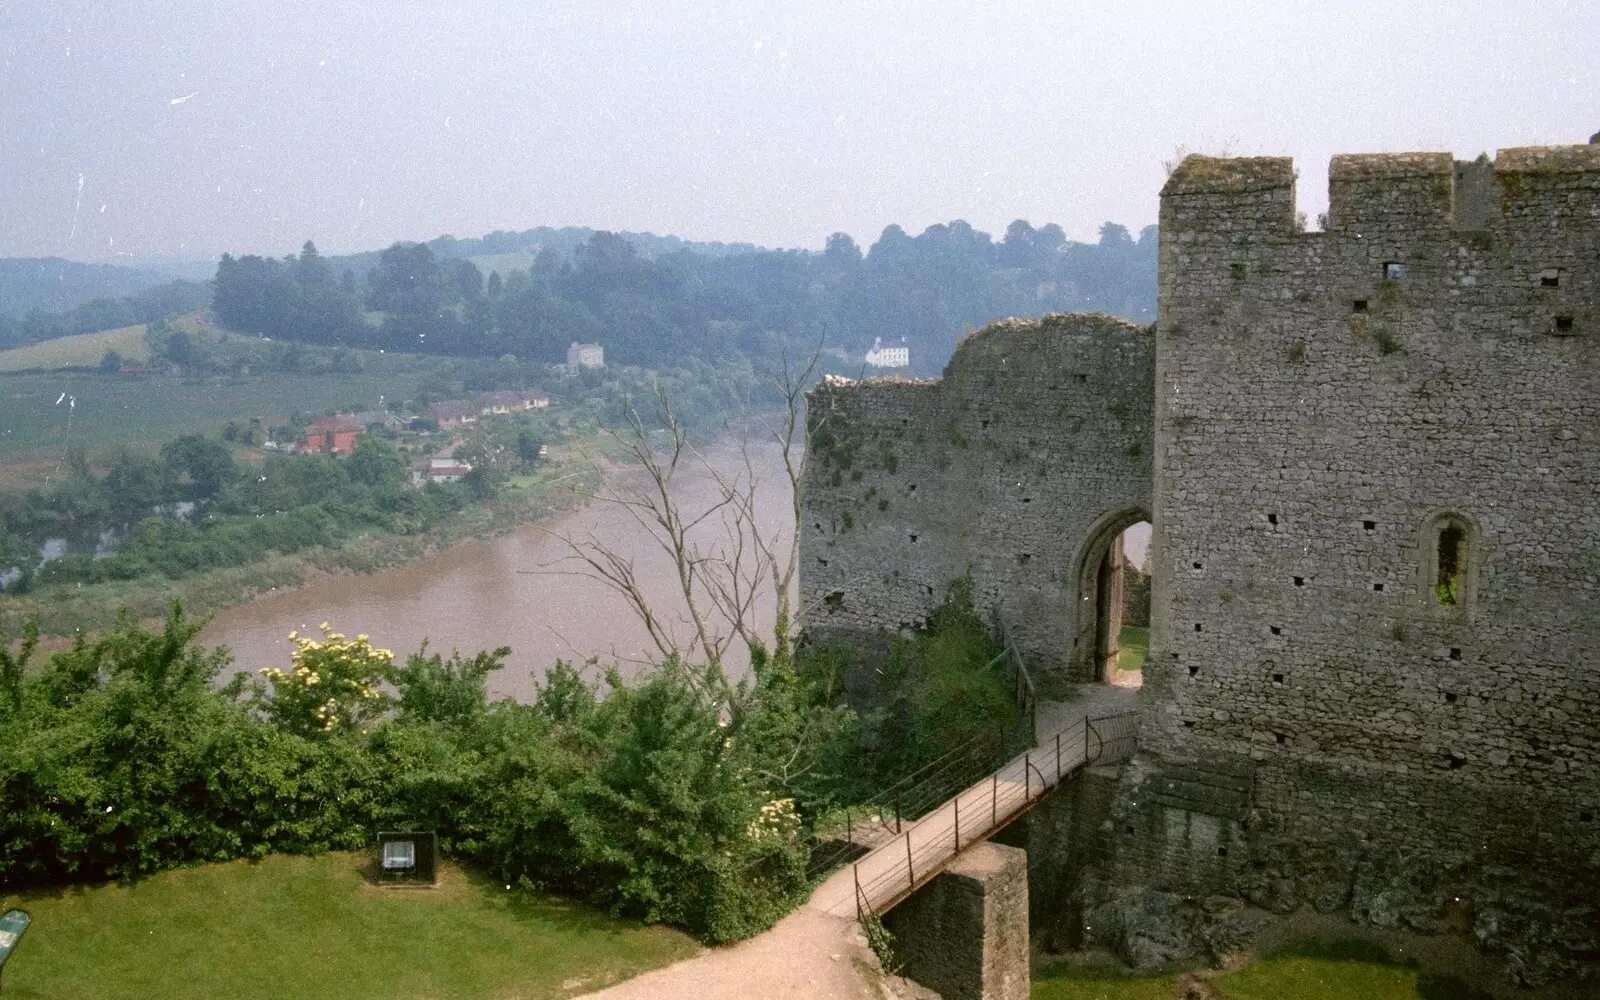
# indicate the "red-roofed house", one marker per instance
pixel 336 435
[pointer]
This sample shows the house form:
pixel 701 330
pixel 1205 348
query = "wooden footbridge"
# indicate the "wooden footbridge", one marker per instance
pixel 908 853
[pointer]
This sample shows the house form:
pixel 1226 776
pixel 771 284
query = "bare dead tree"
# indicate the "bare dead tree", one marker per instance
pixel 725 557
pixel 654 507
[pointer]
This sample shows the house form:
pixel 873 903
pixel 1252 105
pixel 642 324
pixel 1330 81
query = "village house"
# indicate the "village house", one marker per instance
pixel 447 470
pixel 513 401
pixel 453 413
pixel 335 435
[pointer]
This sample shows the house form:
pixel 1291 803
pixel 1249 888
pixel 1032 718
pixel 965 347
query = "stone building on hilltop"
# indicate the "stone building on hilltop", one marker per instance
pixel 1371 457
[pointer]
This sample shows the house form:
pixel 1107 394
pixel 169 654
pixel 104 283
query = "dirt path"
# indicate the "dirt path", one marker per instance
pixel 809 954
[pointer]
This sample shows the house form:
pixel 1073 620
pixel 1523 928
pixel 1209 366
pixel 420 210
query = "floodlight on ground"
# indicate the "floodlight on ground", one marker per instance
pixel 408 857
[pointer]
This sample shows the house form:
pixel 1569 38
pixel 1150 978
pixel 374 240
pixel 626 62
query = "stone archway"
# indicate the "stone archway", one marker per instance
pixel 1098 571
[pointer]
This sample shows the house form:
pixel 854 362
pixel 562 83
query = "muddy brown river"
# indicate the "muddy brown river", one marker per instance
pixel 521 590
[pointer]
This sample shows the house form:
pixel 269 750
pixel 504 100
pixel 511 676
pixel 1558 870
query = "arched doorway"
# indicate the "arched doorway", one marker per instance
pixel 1114 600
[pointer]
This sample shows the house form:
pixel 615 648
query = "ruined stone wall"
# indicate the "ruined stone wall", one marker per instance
pixel 1323 724
pixel 1019 467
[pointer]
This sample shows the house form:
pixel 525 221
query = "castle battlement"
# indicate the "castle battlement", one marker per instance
pixel 1402 195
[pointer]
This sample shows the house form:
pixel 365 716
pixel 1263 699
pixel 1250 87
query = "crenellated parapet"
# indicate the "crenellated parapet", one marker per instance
pixel 1400 194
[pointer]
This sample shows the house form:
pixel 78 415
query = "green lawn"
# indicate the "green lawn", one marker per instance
pixel 1068 983
pixel 1133 645
pixel 1339 970
pixel 1305 970
pixel 313 928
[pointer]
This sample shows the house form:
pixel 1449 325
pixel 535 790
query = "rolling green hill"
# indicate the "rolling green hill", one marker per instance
pixel 82 350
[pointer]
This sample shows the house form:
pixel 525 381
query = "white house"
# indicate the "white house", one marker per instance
pixel 894 356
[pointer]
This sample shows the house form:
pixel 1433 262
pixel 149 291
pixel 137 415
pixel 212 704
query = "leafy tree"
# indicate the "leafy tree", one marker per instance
pixel 377 462
pixel 136 483
pixel 207 464
pixel 528 446
pixel 111 361
pixel 454 691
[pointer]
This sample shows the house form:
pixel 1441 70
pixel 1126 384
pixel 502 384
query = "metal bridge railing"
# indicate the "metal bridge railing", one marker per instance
pixel 921 850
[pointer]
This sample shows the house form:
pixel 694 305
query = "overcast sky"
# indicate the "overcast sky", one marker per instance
pixel 191 128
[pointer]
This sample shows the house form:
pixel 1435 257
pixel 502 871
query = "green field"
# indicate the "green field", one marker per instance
pixel 314 928
pixel 1133 645
pixel 147 411
pixel 85 349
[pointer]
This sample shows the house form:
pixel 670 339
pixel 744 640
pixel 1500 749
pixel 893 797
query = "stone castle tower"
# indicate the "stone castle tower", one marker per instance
pixel 1371 456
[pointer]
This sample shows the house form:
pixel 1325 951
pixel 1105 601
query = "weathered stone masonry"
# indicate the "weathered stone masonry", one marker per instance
pixel 1021 466
pixel 1329 405
pixel 1324 724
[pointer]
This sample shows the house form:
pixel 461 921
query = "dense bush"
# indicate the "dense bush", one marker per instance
pixel 680 798
pixel 125 758
pixel 945 687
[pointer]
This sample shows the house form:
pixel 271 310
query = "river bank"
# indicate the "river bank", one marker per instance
pixel 520 588
pixel 65 611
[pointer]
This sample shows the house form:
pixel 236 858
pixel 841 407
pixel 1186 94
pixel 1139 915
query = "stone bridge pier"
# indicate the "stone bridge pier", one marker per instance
pixel 965 933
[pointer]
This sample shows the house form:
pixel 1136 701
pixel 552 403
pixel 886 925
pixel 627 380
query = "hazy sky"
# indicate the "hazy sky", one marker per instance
pixel 192 128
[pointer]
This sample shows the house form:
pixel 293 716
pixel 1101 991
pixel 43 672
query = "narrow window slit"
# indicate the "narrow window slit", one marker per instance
pixel 1277 630
pixel 1272 519
pixel 1455 652
pixel 1299 581
pixel 1370 525
pixel 1447 588
pixel 1359 305
pixel 1393 270
pixel 1194 670
pixel 1377 588
pixel 1277 678
pixel 1550 279
pixel 1564 324
pixel 1449 697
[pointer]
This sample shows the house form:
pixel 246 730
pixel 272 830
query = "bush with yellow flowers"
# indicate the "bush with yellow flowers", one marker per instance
pixel 333 683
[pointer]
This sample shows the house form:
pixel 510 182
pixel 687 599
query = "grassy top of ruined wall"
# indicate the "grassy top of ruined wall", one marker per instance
pixel 992 335
pixel 1201 174
pixel 1549 159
